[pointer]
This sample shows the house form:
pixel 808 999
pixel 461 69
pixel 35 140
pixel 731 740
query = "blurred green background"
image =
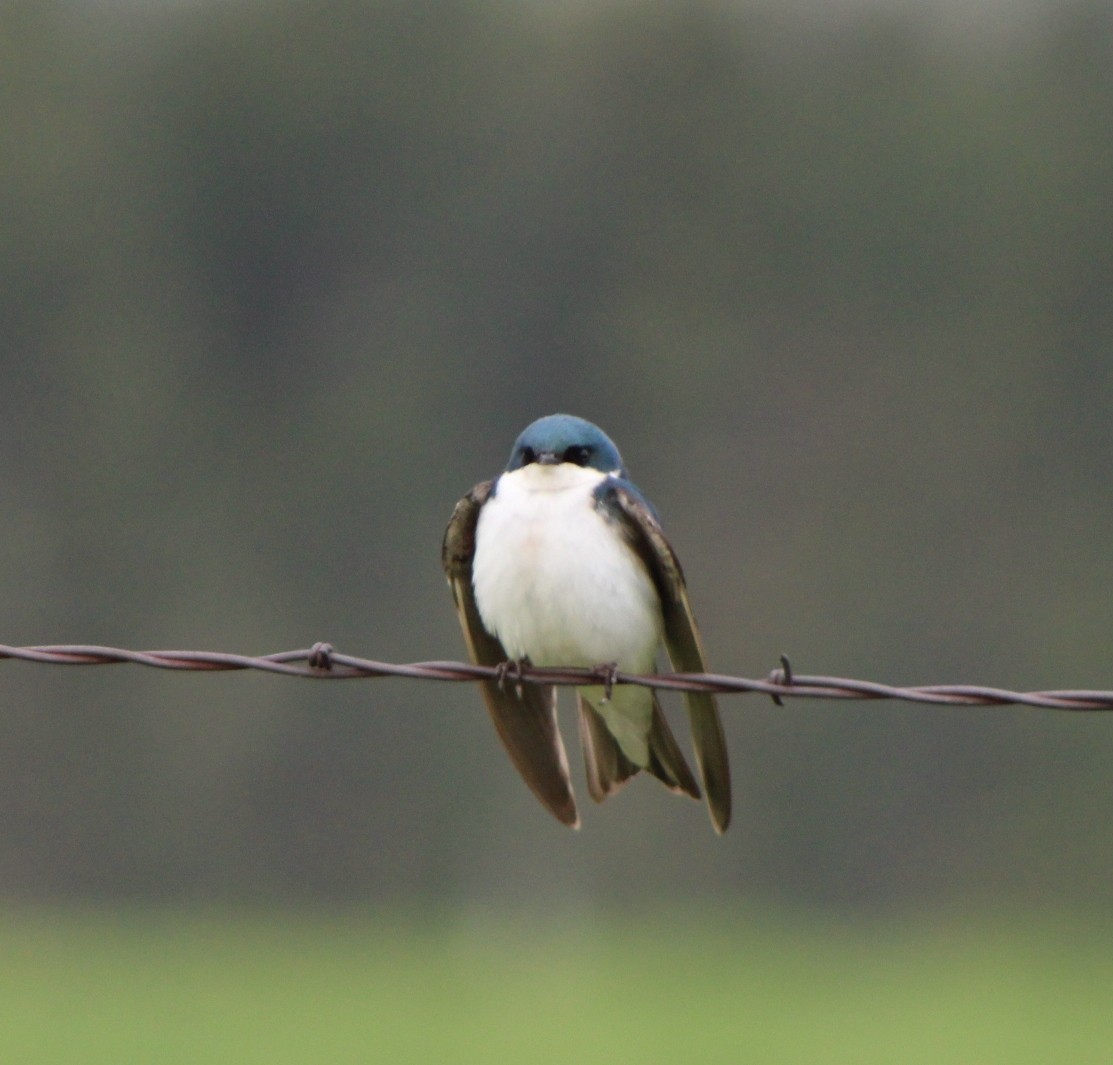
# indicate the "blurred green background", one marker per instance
pixel 279 283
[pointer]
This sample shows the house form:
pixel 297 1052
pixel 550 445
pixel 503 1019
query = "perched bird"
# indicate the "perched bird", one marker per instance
pixel 561 561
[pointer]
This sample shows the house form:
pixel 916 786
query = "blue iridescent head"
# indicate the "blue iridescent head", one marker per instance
pixel 561 438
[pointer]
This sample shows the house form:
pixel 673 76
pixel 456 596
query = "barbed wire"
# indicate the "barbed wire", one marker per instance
pixel 322 662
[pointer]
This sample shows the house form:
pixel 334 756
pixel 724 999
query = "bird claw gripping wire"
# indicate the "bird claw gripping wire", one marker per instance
pixel 782 678
pixel 609 672
pixel 320 656
pixel 511 669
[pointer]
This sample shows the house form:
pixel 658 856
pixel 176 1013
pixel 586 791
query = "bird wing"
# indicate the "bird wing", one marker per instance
pixel 524 716
pixel 642 531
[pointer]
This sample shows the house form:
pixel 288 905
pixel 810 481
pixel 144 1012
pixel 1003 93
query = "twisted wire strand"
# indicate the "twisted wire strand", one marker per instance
pixel 322 662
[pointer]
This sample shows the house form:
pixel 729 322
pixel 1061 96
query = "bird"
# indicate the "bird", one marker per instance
pixel 561 560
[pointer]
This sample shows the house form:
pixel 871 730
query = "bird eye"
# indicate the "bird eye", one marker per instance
pixel 577 455
pixel 528 456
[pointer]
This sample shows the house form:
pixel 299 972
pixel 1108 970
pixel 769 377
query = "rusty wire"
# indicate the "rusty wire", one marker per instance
pixel 321 662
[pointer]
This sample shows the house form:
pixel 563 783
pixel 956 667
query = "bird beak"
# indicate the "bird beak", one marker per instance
pixel 548 458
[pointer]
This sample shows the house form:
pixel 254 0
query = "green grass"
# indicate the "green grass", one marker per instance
pixel 81 989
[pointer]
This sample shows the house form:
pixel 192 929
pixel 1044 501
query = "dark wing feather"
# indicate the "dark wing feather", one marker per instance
pixel 525 722
pixel 643 532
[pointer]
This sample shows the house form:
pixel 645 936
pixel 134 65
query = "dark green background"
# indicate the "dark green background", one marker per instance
pixel 279 283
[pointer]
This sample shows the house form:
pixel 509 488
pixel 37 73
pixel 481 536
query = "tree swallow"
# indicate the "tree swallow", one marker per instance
pixel 561 561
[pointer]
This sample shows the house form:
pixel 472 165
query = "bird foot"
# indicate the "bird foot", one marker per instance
pixel 609 670
pixel 511 670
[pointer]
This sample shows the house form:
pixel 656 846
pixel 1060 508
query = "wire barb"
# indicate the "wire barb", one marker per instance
pixel 782 678
pixel 322 662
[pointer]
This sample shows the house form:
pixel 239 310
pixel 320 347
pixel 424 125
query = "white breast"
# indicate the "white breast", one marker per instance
pixel 553 578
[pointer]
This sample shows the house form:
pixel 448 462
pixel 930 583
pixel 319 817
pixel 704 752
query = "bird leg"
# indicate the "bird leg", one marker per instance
pixel 610 678
pixel 512 668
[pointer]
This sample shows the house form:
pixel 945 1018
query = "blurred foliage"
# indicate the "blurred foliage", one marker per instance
pixel 277 288
pixel 659 985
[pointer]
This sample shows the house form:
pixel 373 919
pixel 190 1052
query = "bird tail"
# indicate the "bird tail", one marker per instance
pixel 608 767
